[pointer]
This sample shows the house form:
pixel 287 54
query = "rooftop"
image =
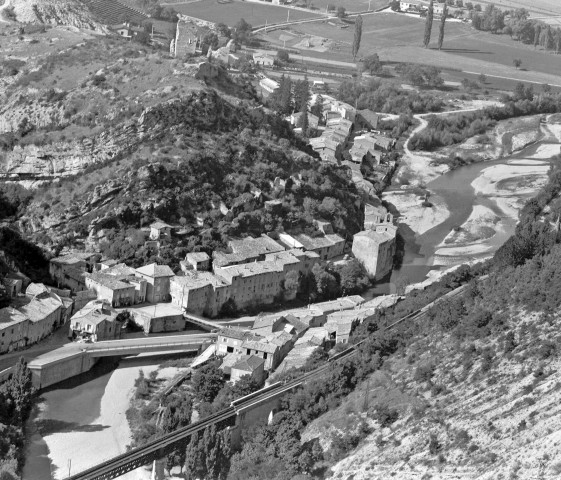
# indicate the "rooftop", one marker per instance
pixel 160 225
pixel 260 346
pixel 311 243
pixel 198 279
pixel 248 363
pixel 378 237
pixel 197 256
pixel 154 270
pixel 10 316
pixel 235 333
pixel 250 247
pixel 109 281
pixel 40 308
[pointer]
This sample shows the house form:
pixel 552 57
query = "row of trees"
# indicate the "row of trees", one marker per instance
pixel 449 130
pixel 518 25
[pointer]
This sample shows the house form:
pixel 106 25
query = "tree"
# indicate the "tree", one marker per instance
pixel 283 56
pixel 292 280
pixel 301 94
pixel 517 62
pixel 207 382
pixel 537 31
pixel 442 24
pixel 428 24
pixel 353 278
pixel 358 36
pixel 304 123
pixel 223 30
pixel 341 12
pixel 317 107
pixel 372 63
pixel 20 391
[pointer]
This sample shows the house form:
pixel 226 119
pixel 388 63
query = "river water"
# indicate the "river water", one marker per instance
pixel 456 190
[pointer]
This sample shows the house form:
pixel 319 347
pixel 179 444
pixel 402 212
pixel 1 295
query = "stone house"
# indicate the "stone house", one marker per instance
pixel 14 327
pixel 13 286
pixel 375 249
pixel 160 231
pixel 263 349
pixel 326 246
pixel 230 340
pixel 196 261
pixel 97 320
pixel 186 39
pixel 44 314
pixel 295 119
pixel 268 85
pixel 251 365
pixel 118 293
pixel 263 59
pixel 158 281
pixel 68 270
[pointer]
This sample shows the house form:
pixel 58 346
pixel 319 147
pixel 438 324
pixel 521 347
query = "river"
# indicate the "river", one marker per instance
pixel 513 180
pixel 81 421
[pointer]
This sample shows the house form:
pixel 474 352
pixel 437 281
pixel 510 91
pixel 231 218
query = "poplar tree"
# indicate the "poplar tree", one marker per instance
pixel 442 24
pixel 358 35
pixel 558 41
pixel 537 32
pixel 428 23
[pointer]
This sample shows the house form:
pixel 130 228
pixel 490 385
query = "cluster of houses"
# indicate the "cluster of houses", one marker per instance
pixel 39 311
pixel 277 342
pixel 252 272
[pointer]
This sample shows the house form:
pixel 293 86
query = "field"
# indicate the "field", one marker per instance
pixel 397 38
pixel 230 13
pixel 349 5
pixel 540 7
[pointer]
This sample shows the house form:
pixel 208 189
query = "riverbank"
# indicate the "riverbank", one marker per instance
pixel 82 422
pixel 472 210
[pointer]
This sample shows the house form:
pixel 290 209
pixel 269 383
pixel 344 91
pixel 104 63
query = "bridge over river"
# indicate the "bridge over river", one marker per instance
pixel 76 358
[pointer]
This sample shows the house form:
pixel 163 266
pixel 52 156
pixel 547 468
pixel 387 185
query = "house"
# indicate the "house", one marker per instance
pixel 117 292
pixel 13 286
pixel 68 270
pixel 230 340
pixel 263 59
pixel 161 317
pixel 326 246
pixel 157 278
pixel 376 216
pixel 375 249
pixel 278 323
pixel 34 289
pixel 382 143
pixel 127 30
pixel 251 249
pixel 269 85
pixel 202 293
pixel 410 6
pixel 199 261
pixel 251 365
pixel 263 349
pixel 296 119
pixel 44 314
pixel 366 119
pixel 14 327
pixel 160 231
pixel 97 320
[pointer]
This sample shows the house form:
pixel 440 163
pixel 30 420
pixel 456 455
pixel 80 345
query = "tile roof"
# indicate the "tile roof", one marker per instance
pixel 249 364
pixel 371 117
pixel 251 247
pixel 197 279
pixel 377 237
pixel 160 225
pixel 109 281
pixel 35 289
pixel 197 256
pixel 154 270
pixel 260 346
pixel 236 333
pixel 10 316
pixel 40 308
pixel 311 243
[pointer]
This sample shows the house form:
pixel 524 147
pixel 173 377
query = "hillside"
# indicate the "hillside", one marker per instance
pixel 474 391
pixel 106 136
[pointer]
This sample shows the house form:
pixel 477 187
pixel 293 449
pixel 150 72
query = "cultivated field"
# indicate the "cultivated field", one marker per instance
pixel 349 5
pixel 397 37
pixel 230 13
pixel 534 6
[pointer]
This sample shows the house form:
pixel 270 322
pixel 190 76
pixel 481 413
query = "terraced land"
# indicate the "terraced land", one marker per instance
pixel 112 12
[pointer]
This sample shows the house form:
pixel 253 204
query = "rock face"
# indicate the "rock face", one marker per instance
pixel 55 12
pixel 48 162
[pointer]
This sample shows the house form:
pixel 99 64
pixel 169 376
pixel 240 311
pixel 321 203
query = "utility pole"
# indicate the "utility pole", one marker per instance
pixel 288 16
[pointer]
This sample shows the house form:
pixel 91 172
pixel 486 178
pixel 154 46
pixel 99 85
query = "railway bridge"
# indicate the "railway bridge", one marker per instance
pixel 261 404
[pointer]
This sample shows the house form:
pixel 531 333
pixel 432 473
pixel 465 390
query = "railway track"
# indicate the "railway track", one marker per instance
pixel 160 447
